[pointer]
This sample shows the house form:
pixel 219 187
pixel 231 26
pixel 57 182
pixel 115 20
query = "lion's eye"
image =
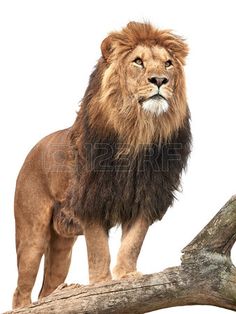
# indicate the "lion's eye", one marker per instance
pixel 168 63
pixel 138 61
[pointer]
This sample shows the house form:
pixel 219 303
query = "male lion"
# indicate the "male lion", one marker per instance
pixel 119 164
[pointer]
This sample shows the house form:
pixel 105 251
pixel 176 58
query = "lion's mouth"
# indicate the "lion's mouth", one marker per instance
pixel 153 97
pixel 155 104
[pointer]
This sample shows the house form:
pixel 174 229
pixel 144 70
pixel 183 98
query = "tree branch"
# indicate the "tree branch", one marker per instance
pixel 205 276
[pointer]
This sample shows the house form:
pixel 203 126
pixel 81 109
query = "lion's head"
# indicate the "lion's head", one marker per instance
pixel 138 87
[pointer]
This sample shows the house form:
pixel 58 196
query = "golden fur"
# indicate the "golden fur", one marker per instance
pixel 113 112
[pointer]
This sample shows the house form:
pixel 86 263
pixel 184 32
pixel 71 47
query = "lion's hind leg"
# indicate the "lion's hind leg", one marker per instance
pixel 29 257
pixel 57 262
pixel 32 235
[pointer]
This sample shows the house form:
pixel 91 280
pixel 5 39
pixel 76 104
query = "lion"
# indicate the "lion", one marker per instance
pixel 119 164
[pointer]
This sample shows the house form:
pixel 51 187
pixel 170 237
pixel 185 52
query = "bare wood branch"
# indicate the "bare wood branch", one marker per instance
pixel 205 276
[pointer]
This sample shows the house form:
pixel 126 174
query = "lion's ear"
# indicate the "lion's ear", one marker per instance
pixel 106 47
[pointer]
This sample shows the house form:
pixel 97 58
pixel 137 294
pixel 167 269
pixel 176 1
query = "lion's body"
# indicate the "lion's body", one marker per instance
pixel 120 163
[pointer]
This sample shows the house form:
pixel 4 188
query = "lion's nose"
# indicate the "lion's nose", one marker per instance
pixel 158 81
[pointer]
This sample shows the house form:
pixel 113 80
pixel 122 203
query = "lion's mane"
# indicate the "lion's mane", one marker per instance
pixel 124 168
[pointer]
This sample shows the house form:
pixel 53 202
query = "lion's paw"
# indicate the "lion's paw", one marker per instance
pixel 122 274
pixel 133 274
pixel 65 285
pixel 60 287
pixel 74 285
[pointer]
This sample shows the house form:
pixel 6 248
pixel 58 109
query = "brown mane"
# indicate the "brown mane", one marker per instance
pixel 107 106
pixel 108 121
pixel 145 34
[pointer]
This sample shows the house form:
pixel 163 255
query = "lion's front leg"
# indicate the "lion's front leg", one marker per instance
pixel 131 243
pixel 98 253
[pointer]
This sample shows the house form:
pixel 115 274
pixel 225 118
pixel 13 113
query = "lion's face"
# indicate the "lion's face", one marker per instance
pixel 139 85
pixel 150 74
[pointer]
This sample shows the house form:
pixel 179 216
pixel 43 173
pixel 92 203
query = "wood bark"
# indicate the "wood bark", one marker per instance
pixel 205 276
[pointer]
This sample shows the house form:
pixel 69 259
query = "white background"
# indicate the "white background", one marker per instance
pixel 47 51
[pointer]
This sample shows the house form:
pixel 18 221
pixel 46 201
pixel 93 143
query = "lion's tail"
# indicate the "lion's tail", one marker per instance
pixel 65 223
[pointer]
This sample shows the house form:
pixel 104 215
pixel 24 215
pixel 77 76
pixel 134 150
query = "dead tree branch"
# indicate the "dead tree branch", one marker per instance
pixel 205 276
